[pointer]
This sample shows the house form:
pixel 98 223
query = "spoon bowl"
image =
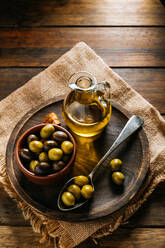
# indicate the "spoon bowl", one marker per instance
pixel 61 206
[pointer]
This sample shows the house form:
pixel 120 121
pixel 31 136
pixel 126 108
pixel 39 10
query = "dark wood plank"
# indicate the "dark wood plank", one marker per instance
pixel 10 214
pixel 20 237
pixel 123 238
pixel 72 12
pixel 13 78
pixel 127 47
pixel 132 238
pixel 150 83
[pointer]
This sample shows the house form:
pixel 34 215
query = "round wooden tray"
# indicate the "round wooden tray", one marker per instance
pixel 107 198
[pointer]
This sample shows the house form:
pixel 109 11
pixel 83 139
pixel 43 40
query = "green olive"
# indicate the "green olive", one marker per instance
pixel 75 190
pixel 33 164
pixel 81 180
pixel 36 146
pixel 115 164
pixel 118 178
pixel 67 147
pixel 31 137
pixel 68 199
pixel 43 157
pixel 55 154
pixel 87 191
pixel 46 131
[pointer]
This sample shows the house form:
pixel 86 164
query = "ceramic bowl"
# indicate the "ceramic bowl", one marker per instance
pixel 51 179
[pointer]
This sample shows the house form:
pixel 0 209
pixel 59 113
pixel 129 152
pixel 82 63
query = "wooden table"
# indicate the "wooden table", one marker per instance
pixel 130 37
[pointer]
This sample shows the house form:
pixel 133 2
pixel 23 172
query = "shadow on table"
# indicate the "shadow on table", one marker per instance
pixel 28 12
pixel 163 2
pixel 42 12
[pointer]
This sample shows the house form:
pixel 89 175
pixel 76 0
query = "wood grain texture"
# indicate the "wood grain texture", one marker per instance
pixel 10 214
pixel 13 78
pixel 20 237
pixel 132 238
pixel 150 83
pixel 24 237
pixel 73 12
pixel 126 47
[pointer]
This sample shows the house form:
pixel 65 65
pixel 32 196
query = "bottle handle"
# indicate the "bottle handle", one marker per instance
pixel 103 90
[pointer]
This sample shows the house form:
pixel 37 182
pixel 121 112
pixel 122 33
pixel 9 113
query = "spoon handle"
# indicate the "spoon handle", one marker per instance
pixel 131 126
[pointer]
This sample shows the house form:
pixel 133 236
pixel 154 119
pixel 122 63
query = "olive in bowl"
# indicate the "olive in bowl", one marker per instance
pixel 35 160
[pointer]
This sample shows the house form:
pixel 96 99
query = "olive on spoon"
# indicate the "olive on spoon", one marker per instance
pixel 131 126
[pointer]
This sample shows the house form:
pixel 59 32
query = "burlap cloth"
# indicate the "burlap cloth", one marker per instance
pixel 53 82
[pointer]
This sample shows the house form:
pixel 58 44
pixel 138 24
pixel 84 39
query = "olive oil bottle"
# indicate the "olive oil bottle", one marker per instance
pixel 87 108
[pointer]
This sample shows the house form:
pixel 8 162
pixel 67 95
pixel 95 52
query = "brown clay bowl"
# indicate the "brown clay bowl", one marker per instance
pixel 51 179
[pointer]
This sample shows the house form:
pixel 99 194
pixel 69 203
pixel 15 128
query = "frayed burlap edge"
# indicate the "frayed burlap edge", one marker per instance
pixel 51 231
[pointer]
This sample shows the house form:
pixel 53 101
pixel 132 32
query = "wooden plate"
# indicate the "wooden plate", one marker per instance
pixel 107 198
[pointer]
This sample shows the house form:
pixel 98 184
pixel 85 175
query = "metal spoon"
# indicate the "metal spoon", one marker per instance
pixel 131 126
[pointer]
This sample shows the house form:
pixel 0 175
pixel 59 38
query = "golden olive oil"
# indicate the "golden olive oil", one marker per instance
pixel 85 113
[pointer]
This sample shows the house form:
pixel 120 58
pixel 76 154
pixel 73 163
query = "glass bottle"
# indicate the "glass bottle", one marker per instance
pixel 87 108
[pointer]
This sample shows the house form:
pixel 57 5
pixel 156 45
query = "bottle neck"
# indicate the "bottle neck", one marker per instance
pixel 84 96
